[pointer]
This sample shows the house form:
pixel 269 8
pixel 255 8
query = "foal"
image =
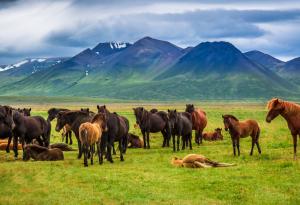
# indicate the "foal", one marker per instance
pixel 213 136
pixel 42 153
pixel 90 133
pixel 241 129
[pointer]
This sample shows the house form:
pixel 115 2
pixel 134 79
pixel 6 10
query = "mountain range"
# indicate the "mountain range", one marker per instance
pixel 155 69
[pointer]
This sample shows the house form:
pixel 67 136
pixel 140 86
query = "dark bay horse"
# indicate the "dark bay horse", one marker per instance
pixel 152 123
pixel 181 125
pixel 117 130
pixel 241 129
pixel 290 112
pixel 6 125
pixel 40 153
pixel 199 120
pixel 74 119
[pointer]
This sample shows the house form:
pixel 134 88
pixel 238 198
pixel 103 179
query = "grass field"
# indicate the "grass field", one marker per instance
pixel 147 177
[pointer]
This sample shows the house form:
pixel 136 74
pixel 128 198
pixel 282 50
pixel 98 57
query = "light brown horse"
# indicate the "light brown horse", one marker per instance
pixel 197 161
pixel 90 134
pixel 290 112
pixel 213 136
pixel 199 121
pixel 241 129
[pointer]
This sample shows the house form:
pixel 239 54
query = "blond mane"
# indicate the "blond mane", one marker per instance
pixel 289 107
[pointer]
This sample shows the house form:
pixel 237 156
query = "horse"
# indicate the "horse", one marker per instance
pixel 152 123
pixel 290 112
pixel 197 161
pixel 181 125
pixel 213 136
pixel 199 121
pixel 117 130
pixel 74 119
pixel 29 128
pixel 90 134
pixel 134 141
pixel 6 125
pixel 67 132
pixel 241 129
pixel 42 153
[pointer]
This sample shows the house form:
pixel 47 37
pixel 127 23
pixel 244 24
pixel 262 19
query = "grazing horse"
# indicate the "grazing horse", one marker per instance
pixel 67 132
pixel 213 136
pixel 241 129
pixel 181 125
pixel 117 130
pixel 74 119
pixel 290 112
pixel 40 153
pixel 90 134
pixel 134 141
pixel 199 120
pixel 152 123
pixel 197 161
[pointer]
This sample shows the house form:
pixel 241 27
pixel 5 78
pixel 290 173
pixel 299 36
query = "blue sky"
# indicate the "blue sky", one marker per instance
pixel 50 28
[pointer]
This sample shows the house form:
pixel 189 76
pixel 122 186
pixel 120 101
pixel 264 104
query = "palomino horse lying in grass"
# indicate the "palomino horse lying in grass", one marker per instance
pixel 40 153
pixel 241 129
pixel 197 161
pixel 90 134
pixel 290 112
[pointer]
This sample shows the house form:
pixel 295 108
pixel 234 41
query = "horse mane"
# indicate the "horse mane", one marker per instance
pixel 289 107
pixel 230 116
pixel 37 148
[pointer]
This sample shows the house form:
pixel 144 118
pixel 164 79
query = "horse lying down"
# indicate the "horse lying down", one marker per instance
pixel 197 161
pixel 62 147
pixel 40 153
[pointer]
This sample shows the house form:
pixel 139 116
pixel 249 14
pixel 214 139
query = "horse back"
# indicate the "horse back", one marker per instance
pixel 156 122
pixel 248 127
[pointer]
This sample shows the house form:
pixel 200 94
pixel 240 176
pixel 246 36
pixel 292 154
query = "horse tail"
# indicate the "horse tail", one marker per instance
pixel 48 131
pixel 83 136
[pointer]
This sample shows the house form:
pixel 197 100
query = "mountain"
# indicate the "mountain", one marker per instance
pixel 159 70
pixel 264 59
pixel 291 70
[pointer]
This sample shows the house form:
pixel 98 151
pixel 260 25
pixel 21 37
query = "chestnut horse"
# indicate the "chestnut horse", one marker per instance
pixel 241 129
pixel 213 136
pixel 290 112
pixel 199 121
pixel 90 134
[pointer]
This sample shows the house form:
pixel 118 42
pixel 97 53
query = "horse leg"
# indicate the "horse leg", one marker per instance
pixel 183 142
pixel 197 137
pixel 173 137
pixel 15 145
pixel 200 136
pixel 114 150
pixel 164 136
pixel 148 140
pixel 67 136
pixel 79 147
pixel 70 136
pixel 233 146
pixel 253 142
pixel 121 150
pixel 8 144
pixel 144 139
pixel 190 140
pixel 178 141
pixel 92 153
pixel 98 150
pixel 238 145
pixel 295 145
pixel 109 146
pixel 85 155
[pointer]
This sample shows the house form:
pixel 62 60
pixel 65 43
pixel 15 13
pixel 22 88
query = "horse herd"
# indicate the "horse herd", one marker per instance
pixel 99 131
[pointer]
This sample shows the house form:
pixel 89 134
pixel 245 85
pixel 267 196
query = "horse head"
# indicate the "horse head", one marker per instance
pixel 228 121
pixel 275 107
pixel 190 108
pixel 173 118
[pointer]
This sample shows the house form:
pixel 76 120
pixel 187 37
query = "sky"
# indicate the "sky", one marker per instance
pixel 53 28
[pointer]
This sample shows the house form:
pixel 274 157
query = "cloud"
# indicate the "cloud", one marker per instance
pixel 48 28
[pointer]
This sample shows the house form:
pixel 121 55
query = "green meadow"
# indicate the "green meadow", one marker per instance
pixel 147 177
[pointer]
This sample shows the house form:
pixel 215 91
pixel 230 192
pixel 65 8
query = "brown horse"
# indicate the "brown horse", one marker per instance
pixel 90 134
pixel 213 136
pixel 241 129
pixel 40 153
pixel 197 161
pixel 199 121
pixel 290 112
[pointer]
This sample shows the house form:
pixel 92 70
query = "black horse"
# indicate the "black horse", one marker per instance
pixel 152 122
pixel 25 111
pixel 29 128
pixel 6 124
pixel 74 119
pixel 52 112
pixel 181 125
pixel 117 130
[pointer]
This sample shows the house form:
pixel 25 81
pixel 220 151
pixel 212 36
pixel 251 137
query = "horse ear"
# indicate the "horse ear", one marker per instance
pixel 29 109
pixel 104 106
pixel 175 111
pixel 98 107
pixel 81 109
pixel 142 108
pixel 192 105
pixel 168 110
pixel 88 109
